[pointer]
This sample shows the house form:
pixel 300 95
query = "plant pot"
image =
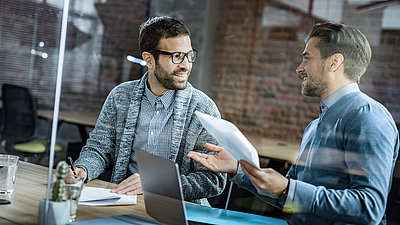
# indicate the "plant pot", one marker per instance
pixel 57 214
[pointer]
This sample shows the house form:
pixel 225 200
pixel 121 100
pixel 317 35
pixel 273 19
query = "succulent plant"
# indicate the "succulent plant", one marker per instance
pixel 58 187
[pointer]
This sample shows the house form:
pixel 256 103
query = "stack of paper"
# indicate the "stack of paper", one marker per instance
pixel 230 137
pixel 101 196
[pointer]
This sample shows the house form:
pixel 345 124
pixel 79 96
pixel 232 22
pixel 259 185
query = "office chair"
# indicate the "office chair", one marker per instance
pixel 19 133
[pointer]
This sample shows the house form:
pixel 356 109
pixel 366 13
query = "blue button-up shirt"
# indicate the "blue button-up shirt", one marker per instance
pixel 343 172
pixel 154 126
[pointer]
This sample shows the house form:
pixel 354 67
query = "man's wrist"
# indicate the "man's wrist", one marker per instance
pixel 282 198
pixel 237 167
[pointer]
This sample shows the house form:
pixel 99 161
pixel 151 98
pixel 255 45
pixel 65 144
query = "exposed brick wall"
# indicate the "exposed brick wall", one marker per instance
pixel 253 80
pixel 255 84
pixel 382 79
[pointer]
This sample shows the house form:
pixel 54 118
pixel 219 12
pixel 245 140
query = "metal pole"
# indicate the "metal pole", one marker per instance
pixel 60 67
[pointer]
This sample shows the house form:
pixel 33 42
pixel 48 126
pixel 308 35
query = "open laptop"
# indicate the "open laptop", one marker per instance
pixel 163 197
pixel 161 185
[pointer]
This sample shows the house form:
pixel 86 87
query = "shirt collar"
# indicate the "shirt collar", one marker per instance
pixel 165 99
pixel 337 95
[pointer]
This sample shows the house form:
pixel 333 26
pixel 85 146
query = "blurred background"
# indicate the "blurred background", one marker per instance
pixel 248 53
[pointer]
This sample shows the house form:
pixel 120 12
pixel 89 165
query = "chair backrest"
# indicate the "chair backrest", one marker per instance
pixel 19 110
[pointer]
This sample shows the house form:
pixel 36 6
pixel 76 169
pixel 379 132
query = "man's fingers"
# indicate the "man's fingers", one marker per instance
pixel 202 159
pixel 251 171
pixel 70 170
pixel 128 189
pixel 125 188
pixel 214 148
pixel 129 184
pixel 80 172
pixel 138 191
pixel 197 155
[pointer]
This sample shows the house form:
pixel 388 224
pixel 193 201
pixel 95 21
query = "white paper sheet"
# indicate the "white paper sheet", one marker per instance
pixel 102 196
pixel 230 137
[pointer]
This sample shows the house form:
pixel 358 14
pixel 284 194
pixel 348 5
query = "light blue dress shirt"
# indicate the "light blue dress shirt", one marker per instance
pixel 343 171
pixel 154 127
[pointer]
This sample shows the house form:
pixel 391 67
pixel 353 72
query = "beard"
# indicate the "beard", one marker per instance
pixel 315 87
pixel 167 79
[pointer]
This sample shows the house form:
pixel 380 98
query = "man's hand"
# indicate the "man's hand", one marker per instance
pixel 79 171
pixel 129 186
pixel 222 162
pixel 266 181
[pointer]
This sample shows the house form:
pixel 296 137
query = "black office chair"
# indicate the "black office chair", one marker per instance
pixel 19 133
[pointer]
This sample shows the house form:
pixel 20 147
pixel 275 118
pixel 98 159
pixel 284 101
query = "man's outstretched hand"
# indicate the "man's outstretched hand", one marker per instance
pixel 222 162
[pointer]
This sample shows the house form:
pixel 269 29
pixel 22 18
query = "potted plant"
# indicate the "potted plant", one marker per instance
pixel 58 210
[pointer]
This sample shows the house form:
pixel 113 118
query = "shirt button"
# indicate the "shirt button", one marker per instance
pixel 151 132
pixel 157 112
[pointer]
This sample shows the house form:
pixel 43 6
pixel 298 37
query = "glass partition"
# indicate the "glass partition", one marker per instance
pixel 248 52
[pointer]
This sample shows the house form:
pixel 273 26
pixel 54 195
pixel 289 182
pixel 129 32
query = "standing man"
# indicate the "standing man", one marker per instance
pixel 343 171
pixel 155 114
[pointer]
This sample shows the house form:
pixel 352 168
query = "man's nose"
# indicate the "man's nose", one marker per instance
pixel 300 68
pixel 185 63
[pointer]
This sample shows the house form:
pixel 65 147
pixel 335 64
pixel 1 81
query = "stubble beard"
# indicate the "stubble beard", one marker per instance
pixel 166 79
pixel 315 88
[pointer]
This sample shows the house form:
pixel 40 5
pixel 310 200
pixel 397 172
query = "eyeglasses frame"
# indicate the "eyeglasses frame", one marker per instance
pixel 172 55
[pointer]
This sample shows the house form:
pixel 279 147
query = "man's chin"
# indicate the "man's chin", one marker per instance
pixel 309 93
pixel 180 86
pixel 306 92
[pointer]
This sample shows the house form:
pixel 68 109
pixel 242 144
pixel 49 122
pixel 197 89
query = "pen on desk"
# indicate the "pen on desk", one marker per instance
pixel 71 163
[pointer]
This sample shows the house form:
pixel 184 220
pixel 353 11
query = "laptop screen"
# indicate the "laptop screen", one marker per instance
pixel 161 186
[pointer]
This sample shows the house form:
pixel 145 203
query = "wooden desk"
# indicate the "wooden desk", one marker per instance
pixel 81 119
pixel 30 187
pixel 76 117
pixel 274 148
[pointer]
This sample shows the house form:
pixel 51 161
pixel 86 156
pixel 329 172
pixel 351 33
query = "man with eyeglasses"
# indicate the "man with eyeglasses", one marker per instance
pixel 155 114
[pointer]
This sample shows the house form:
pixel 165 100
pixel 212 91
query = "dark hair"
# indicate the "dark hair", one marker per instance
pixel 151 31
pixel 350 42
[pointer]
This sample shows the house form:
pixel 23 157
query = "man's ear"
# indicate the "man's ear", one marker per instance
pixel 336 60
pixel 149 58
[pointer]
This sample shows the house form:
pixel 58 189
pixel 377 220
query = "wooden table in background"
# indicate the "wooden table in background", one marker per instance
pixel 275 149
pixel 30 187
pixel 88 119
pixel 81 119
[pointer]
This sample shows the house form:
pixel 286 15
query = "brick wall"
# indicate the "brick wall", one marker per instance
pixel 257 48
pixel 255 84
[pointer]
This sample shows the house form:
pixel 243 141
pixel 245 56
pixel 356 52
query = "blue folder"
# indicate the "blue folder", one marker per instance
pixel 204 214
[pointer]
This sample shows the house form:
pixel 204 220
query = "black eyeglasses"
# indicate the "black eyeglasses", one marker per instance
pixel 178 57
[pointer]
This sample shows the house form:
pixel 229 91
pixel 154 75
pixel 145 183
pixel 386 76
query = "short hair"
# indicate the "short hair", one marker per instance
pixel 152 30
pixel 350 42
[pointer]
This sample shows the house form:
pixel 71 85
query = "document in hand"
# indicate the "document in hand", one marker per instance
pixel 230 137
pixel 101 196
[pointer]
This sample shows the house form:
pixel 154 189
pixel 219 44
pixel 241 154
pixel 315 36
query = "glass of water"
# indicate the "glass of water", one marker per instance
pixel 8 172
pixel 73 188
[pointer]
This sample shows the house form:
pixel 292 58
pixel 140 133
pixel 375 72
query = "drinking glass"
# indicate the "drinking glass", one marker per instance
pixel 8 171
pixel 73 188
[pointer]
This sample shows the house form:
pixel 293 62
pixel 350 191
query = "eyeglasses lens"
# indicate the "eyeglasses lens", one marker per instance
pixel 178 57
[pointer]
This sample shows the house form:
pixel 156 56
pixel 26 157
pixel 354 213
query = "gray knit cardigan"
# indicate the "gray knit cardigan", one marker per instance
pixel 113 136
